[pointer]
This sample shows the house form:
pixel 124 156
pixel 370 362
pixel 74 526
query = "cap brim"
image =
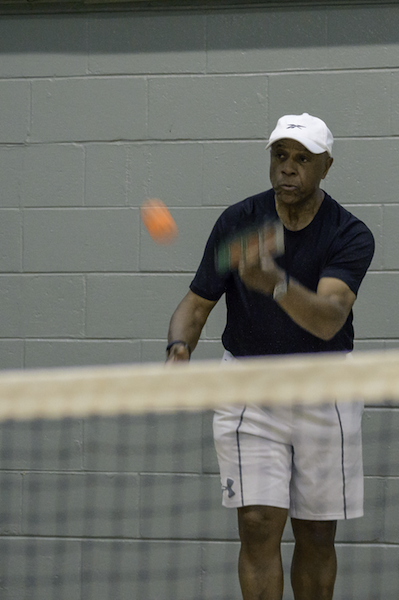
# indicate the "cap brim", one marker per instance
pixel 309 144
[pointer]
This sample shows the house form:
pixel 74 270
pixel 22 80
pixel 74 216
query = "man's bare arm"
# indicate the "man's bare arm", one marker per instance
pixel 186 325
pixel 322 313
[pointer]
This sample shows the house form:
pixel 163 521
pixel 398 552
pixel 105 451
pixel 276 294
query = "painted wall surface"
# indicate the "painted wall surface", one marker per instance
pixel 102 110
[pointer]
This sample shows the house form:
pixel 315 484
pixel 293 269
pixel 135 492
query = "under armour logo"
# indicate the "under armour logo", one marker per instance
pixel 294 126
pixel 230 483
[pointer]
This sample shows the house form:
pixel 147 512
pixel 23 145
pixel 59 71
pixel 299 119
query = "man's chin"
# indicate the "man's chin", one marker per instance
pixel 287 196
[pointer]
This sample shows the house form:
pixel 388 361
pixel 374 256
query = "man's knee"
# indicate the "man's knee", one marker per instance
pixel 260 524
pixel 314 533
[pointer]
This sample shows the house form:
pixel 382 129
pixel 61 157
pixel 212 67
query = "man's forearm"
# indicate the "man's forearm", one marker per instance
pixel 184 327
pixel 322 315
pixel 187 323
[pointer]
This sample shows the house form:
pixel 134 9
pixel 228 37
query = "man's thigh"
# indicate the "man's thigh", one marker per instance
pixel 327 472
pixel 254 460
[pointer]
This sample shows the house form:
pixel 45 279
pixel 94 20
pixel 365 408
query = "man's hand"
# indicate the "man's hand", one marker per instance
pixel 258 271
pixel 178 351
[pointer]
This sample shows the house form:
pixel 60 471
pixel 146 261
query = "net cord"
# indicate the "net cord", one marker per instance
pixel 108 390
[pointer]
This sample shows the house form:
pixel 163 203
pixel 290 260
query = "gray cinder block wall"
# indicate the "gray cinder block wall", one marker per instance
pixel 100 110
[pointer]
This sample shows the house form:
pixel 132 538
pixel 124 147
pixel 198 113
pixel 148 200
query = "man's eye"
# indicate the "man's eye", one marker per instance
pixel 304 159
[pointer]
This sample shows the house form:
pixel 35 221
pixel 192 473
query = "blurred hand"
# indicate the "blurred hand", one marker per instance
pixel 258 271
pixel 178 352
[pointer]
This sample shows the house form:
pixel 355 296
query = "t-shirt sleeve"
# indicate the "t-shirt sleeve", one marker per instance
pixel 351 254
pixel 208 283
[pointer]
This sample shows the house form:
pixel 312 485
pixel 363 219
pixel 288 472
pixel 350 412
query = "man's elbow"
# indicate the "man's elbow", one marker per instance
pixel 326 336
pixel 326 331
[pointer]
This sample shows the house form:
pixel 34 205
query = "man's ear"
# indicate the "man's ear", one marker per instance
pixel 329 162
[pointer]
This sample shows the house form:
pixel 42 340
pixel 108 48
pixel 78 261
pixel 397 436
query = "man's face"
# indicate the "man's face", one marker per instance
pixel 295 172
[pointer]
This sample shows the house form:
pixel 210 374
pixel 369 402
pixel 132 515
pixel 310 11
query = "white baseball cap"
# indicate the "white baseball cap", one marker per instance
pixel 309 131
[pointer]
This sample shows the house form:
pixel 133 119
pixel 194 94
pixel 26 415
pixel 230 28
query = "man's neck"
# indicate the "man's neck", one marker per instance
pixel 298 216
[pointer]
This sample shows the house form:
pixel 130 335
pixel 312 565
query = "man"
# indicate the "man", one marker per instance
pixel 302 462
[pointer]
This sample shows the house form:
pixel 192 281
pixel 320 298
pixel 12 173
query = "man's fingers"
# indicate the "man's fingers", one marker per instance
pixel 266 262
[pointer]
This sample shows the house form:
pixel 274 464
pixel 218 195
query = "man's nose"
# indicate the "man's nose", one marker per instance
pixel 289 167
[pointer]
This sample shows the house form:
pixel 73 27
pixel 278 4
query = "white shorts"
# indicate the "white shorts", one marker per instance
pixel 305 459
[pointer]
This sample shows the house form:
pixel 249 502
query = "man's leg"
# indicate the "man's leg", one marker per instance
pixel 260 569
pixel 314 564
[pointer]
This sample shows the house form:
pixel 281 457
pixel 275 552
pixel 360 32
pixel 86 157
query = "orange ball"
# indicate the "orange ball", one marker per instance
pixel 158 221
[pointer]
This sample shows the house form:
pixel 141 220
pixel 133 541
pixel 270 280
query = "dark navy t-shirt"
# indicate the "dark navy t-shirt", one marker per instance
pixel 335 244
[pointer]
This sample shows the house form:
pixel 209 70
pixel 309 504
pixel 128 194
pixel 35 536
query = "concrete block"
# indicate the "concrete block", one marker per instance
pixel 106 174
pixel 53 175
pixel 196 107
pixel 220 570
pixel 52 306
pixel 390 242
pixel 81 240
pixel 362 37
pixel 185 254
pixel 44 47
pixel 380 442
pixel 11 166
pixel 40 305
pixel 160 443
pixel 132 306
pixel 11 354
pixel 93 109
pixel 153 351
pixel 391 344
pixel 234 171
pixel 40 569
pixel 10 506
pixel 147 43
pixel 394 103
pixel 184 507
pixel 352 104
pixel 71 353
pixel 15 108
pixel 367 572
pixel 375 308
pixel 256 41
pixel 172 171
pixel 391 526
pixel 11 305
pixel 365 345
pixel 372 216
pixel 141 569
pixel 10 240
pixel 356 176
pixel 42 445
pixel 80 505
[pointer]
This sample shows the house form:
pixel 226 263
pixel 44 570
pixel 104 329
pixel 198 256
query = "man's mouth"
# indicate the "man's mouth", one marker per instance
pixel 287 188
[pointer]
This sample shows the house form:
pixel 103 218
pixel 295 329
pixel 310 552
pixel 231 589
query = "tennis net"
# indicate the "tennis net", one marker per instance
pixel 110 486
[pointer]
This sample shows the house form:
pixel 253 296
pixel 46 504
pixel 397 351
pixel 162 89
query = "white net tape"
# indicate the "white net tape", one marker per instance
pixel 305 379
